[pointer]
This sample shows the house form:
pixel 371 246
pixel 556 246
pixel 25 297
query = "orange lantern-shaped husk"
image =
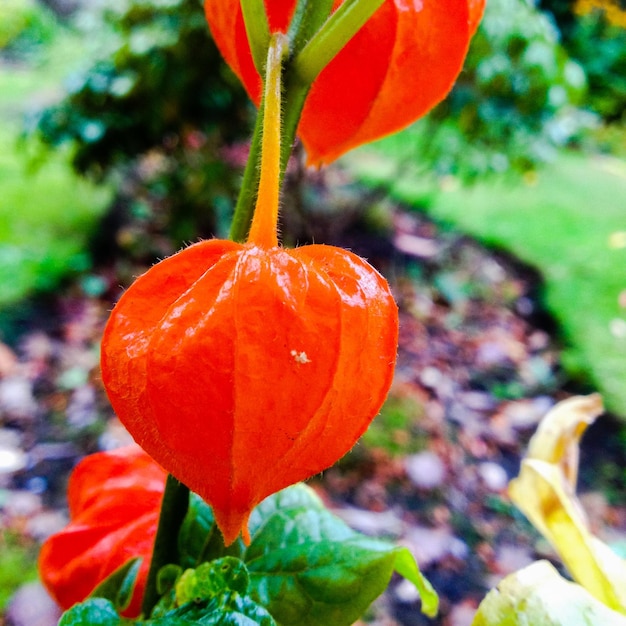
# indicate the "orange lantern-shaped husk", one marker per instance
pixel 242 369
pixel 403 62
pixel 114 500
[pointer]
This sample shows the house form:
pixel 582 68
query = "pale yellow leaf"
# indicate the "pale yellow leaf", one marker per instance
pixel 545 491
pixel 538 596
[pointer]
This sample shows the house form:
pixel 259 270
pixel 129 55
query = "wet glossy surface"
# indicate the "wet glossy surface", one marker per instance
pixel 243 370
pixel 413 52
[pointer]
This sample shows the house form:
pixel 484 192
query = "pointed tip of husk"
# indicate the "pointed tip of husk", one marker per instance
pixel 232 524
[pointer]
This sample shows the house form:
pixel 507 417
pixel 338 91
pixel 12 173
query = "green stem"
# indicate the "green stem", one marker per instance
pixel 293 102
pixel 336 32
pixel 263 230
pixel 173 511
pixel 300 72
pixel 295 96
pixel 333 35
pixel 257 30
pixel 244 209
pixel 308 18
pixel 306 21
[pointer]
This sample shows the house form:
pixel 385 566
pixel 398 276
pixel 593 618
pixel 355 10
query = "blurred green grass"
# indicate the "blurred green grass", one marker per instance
pixel 47 213
pixel 569 223
pixel 46 217
pixel 18 564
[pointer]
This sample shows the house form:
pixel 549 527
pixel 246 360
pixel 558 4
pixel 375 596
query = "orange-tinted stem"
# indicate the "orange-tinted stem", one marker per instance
pixel 263 231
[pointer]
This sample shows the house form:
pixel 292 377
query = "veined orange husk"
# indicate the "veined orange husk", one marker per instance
pixel 403 62
pixel 242 370
pixel 114 499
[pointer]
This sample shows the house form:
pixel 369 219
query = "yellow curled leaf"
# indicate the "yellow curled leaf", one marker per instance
pixel 538 596
pixel 557 438
pixel 545 491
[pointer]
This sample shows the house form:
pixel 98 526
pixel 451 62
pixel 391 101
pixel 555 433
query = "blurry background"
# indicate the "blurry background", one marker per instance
pixel 499 219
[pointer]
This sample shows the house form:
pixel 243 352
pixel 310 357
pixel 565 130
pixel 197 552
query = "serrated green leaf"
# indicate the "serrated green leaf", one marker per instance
pixel 538 596
pixel 94 612
pixel 228 609
pixel 213 579
pixel 119 586
pixel 306 566
pixel 309 568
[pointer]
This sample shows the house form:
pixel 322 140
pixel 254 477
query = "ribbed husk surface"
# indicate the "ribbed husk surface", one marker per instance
pixel 242 370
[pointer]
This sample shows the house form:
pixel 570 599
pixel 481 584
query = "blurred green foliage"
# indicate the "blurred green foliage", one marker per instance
pixel 24 25
pixel 46 217
pixel 594 34
pixel 561 11
pixel 154 111
pixel 600 47
pixel 158 74
pixel 157 107
pixel 47 213
pixel 513 105
pixel 611 139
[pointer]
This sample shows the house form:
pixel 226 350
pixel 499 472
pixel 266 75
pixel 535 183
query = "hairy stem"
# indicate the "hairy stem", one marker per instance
pixel 263 230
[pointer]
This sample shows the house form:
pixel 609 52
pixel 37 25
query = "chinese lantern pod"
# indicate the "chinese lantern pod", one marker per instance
pixel 114 500
pixel 413 52
pixel 476 9
pixel 242 370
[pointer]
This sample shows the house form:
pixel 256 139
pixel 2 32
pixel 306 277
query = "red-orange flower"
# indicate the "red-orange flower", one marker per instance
pixel 114 500
pixel 243 369
pixel 398 66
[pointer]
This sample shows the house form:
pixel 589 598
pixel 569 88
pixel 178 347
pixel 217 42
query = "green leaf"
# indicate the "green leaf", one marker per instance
pixel 197 525
pixel 407 567
pixel 308 568
pixel 167 577
pixel 213 593
pixel 199 539
pixel 538 596
pixel 227 609
pixel 305 565
pixel 213 579
pixel 94 612
pixel 119 586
